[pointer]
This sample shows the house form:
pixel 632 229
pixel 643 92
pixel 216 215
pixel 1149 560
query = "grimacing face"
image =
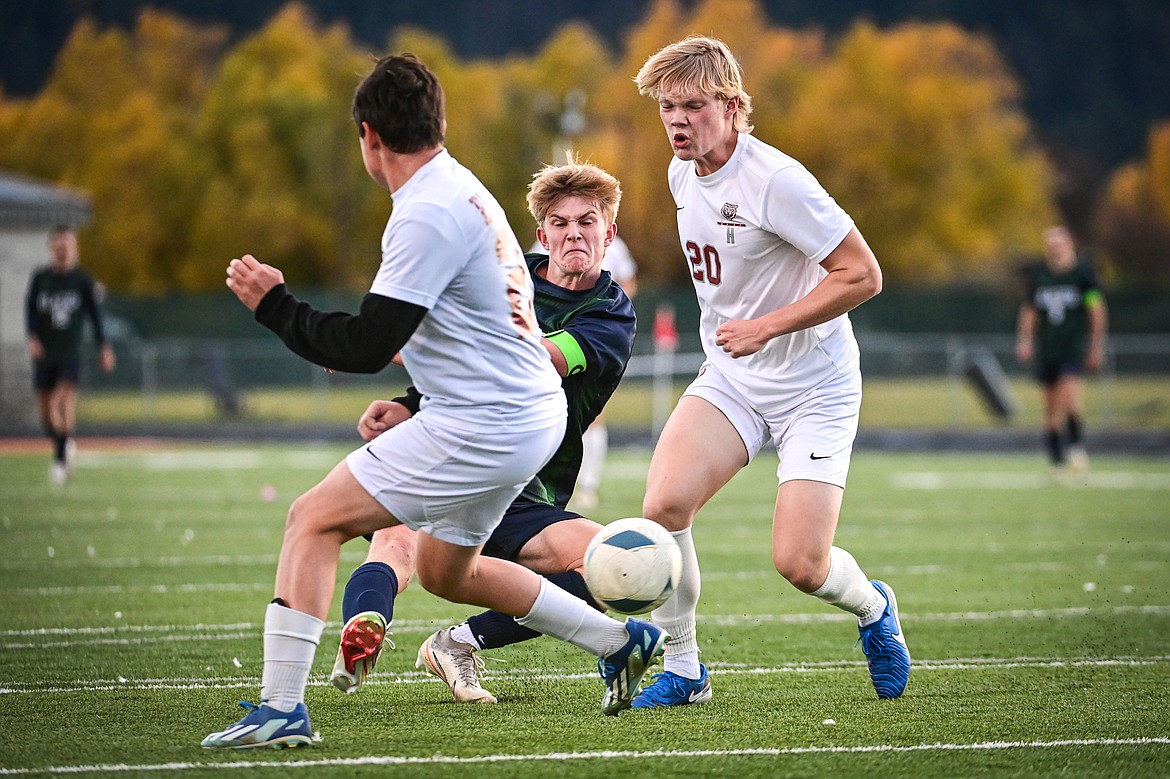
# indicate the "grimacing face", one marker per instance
pixel 576 235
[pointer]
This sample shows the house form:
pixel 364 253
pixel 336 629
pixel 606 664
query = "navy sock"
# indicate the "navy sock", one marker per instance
pixel 493 629
pixel 371 587
pixel 1075 430
pixel 59 442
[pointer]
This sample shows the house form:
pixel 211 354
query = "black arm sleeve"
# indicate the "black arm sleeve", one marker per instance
pixel 361 343
pixel 412 399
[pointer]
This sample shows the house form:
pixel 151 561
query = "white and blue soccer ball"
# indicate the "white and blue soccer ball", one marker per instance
pixel 632 565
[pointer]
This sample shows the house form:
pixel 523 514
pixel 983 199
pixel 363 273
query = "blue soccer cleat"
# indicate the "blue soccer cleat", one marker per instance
pixel 622 671
pixel 885 648
pixel 670 689
pixel 264 726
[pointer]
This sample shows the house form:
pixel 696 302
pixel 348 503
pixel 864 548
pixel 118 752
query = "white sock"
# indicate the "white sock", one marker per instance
pixel 463 632
pixel 678 615
pixel 594 447
pixel 847 587
pixel 290 641
pixel 561 615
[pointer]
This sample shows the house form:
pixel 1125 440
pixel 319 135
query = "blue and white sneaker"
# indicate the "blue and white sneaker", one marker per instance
pixel 622 671
pixel 670 689
pixel 885 648
pixel 264 726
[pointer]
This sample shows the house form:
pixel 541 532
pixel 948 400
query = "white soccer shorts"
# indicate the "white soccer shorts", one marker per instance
pixel 451 481
pixel 813 435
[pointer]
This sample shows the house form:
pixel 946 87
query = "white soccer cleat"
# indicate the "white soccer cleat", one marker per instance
pixel 456 663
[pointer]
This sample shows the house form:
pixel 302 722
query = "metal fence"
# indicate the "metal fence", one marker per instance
pixel 228 371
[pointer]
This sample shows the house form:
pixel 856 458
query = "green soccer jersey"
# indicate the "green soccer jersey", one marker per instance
pixel 1061 301
pixel 594 328
pixel 56 308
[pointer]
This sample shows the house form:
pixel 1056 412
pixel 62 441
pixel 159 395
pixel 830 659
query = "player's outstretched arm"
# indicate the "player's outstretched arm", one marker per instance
pixel 365 342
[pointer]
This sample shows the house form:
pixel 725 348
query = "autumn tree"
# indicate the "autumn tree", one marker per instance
pixel 194 155
pixel 1133 219
pixel 283 176
pixel 114 120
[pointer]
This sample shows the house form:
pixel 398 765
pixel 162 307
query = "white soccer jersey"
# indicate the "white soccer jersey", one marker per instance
pixel 754 233
pixel 448 247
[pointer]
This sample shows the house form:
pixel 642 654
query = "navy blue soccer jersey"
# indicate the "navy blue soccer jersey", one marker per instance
pixel 602 324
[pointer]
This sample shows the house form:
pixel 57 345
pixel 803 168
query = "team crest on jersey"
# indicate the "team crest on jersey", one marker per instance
pixel 729 212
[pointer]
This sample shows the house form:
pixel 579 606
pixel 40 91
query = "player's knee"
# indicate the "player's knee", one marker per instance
pixel 804 572
pixel 434 582
pixel 303 520
pixel 668 511
pixel 396 548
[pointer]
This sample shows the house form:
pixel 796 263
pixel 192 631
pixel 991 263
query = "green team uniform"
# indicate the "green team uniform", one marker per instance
pixel 1061 301
pixel 56 307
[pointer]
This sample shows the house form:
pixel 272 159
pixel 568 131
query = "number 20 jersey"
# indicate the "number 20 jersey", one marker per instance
pixel 753 234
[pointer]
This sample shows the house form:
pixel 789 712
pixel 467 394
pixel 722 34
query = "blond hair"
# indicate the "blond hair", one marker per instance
pixel 583 179
pixel 698 64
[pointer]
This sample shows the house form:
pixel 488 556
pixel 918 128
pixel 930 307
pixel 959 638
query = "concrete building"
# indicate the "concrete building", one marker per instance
pixel 29 209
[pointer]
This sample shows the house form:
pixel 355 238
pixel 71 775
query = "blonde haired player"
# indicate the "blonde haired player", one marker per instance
pixel 776 264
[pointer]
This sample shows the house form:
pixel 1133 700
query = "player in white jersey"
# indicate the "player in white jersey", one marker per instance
pixel 453 298
pixel 776 265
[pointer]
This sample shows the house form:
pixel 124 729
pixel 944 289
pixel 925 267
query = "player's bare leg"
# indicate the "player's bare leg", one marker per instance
pixel 802 548
pixel 698 453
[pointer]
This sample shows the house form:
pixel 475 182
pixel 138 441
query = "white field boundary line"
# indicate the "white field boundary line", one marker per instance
pixel 236 561
pixel 115 636
pixel 386 679
pixel 1013 480
pixel 673 754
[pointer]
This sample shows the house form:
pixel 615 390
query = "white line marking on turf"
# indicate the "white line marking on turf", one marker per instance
pixel 561 674
pixel 380 760
pixel 1005 480
pixel 115 634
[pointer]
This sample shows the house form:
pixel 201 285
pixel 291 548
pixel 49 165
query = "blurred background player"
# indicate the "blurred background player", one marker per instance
pixel 588 325
pixel 452 298
pixel 1061 330
pixel 776 265
pixel 60 298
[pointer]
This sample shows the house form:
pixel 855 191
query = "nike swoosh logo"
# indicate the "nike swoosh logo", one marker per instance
pixel 680 208
pixel 819 456
pixel 694 696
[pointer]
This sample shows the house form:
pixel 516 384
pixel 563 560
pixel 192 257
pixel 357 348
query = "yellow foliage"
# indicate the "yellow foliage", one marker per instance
pixel 1133 220
pixel 194 154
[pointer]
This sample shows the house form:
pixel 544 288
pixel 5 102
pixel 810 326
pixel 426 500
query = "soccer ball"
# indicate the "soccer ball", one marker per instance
pixel 632 565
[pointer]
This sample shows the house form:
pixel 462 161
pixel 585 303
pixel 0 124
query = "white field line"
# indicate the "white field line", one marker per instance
pixel 212 460
pixel 236 561
pixel 1013 480
pixel 671 754
pixel 134 635
pixel 561 674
